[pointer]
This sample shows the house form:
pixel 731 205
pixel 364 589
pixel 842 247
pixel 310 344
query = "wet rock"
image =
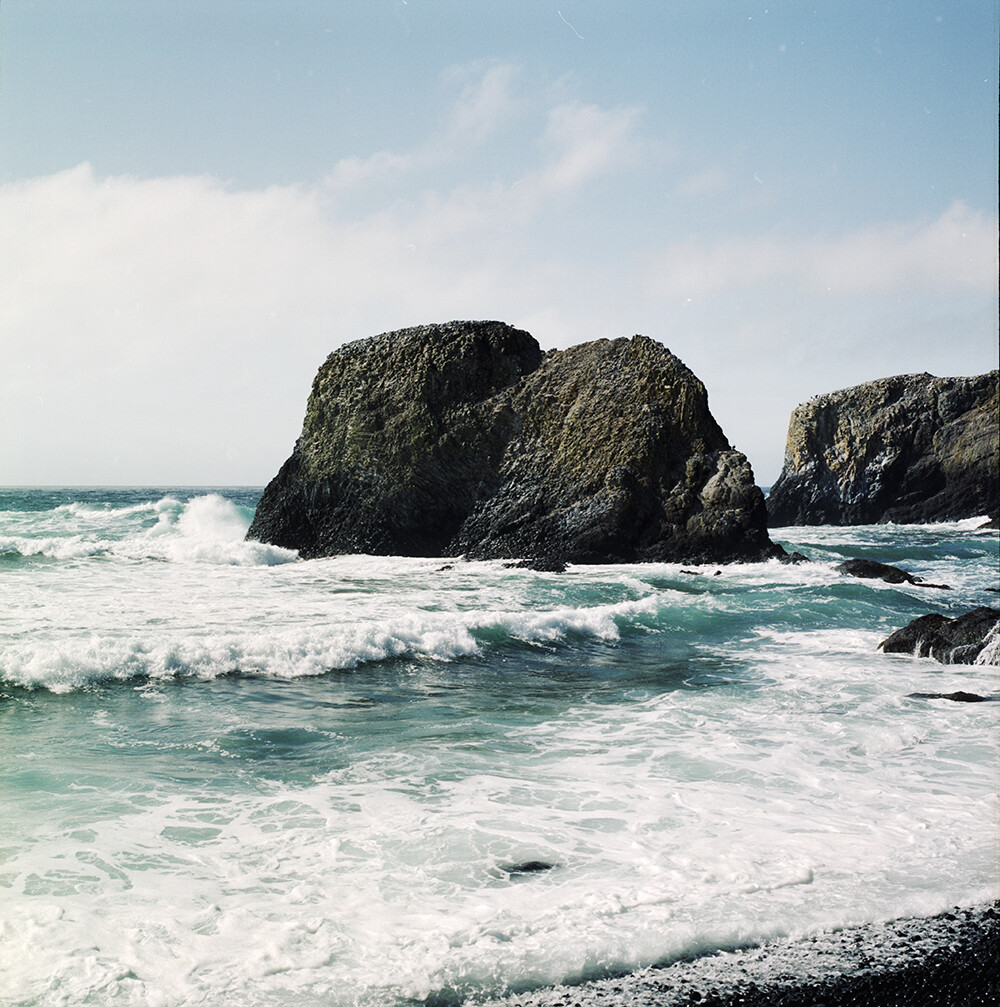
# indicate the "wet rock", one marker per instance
pixel 794 557
pixel 545 564
pixel 955 697
pixel 528 867
pixel 464 439
pixel 909 448
pixel 971 638
pixel 871 570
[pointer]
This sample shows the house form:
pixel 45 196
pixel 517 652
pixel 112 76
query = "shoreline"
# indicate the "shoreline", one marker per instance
pixel 948 960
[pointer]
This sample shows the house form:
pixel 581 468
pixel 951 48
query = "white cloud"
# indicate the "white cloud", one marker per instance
pixel 382 166
pixel 487 102
pixel 955 252
pixel 143 320
pixel 168 329
pixel 588 141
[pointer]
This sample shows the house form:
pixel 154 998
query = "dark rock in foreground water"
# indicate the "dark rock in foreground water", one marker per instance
pixel 955 697
pixel 528 867
pixel 869 569
pixel 910 448
pixel 463 438
pixel 950 641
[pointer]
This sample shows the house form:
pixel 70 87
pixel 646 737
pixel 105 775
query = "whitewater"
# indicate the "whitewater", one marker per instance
pixel 228 775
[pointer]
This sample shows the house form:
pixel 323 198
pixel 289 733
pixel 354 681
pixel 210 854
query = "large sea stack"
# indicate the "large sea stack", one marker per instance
pixel 907 449
pixel 464 438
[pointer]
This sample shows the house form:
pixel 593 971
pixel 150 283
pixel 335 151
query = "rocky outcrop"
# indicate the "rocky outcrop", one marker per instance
pixel 971 638
pixel 907 449
pixel 463 438
pixel 396 446
pixel 617 458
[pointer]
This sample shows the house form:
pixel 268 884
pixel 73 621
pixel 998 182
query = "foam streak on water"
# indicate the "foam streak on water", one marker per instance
pixel 230 776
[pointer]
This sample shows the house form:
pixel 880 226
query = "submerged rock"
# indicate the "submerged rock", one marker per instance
pixel 907 449
pixel 794 557
pixel 528 867
pixel 971 638
pixel 463 438
pixel 955 697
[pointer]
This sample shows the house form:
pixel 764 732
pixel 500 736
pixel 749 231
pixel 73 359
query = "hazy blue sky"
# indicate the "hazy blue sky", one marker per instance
pixel 199 199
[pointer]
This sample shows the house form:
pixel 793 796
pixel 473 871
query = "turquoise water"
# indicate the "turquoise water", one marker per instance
pixel 231 776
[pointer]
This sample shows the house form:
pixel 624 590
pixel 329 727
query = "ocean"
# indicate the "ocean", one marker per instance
pixel 229 776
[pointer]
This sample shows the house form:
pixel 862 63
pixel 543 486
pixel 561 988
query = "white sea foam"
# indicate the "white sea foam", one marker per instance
pixel 675 824
pixel 207 529
pixel 295 651
pixel 704 760
pixel 990 654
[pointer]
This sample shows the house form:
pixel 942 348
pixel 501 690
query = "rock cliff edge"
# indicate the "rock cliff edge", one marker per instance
pixel 464 438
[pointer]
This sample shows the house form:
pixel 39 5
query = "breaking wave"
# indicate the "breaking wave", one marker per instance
pixel 205 529
pixel 304 651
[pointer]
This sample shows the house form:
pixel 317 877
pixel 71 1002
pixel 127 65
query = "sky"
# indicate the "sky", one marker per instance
pixel 200 199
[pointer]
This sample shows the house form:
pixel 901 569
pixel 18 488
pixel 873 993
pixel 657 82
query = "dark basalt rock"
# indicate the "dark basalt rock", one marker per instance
pixel 544 564
pixel 869 569
pixel 794 557
pixel 464 438
pixel 528 867
pixel 394 450
pixel 907 449
pixel 950 641
pixel 955 697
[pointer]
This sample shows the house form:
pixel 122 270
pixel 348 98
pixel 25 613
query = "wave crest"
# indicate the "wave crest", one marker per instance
pixel 205 529
pixel 306 651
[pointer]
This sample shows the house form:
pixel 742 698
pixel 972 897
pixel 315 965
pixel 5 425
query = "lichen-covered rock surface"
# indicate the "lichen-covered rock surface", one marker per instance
pixel 907 449
pixel 464 438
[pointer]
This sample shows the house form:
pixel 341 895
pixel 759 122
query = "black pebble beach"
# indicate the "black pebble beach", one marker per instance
pixel 949 960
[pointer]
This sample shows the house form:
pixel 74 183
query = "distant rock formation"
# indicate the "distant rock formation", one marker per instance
pixel 463 438
pixel 907 449
pixel 972 638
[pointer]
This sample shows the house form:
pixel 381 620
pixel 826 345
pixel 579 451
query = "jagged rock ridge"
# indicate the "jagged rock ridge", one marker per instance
pixel 463 438
pixel 910 448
